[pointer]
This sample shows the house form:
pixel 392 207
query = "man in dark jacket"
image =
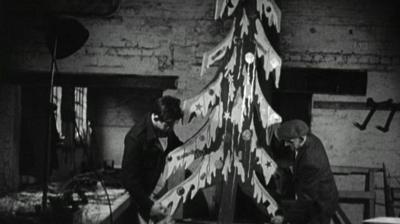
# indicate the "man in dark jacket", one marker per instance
pixel 313 180
pixel 146 147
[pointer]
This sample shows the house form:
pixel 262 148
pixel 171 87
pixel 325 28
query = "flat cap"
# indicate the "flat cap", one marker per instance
pixel 292 129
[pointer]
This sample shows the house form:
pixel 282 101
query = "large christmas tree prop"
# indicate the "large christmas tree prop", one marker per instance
pixel 228 106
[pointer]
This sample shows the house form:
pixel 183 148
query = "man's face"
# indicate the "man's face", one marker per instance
pixel 294 143
pixel 164 126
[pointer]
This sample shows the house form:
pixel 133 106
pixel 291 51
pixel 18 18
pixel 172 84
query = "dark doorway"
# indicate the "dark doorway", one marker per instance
pixel 293 98
pixel 293 105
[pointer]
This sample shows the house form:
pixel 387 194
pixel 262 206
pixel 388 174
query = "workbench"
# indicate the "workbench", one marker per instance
pixel 99 212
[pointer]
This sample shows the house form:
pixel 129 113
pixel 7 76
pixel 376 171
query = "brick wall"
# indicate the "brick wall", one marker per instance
pixel 143 37
pixel 342 34
pixel 169 37
pixel 361 35
pixel 113 112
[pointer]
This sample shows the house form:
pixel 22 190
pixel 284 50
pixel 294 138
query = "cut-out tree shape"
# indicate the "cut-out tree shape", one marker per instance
pixel 226 145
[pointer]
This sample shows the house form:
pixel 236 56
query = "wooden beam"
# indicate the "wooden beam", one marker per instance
pixel 96 80
pixel 343 105
pixel 370 187
pixel 389 208
pixel 357 195
pixel 351 170
pixel 228 199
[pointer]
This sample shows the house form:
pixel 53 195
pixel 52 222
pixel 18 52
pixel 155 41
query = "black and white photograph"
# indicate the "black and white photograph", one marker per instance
pixel 200 111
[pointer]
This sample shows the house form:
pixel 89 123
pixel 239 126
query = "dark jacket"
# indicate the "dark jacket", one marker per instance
pixel 143 162
pixel 314 181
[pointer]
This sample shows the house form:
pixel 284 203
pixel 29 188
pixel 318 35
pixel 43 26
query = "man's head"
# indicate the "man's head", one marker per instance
pixel 293 133
pixel 165 112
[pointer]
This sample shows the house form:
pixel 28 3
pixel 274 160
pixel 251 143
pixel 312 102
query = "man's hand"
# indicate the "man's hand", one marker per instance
pixel 158 212
pixel 277 219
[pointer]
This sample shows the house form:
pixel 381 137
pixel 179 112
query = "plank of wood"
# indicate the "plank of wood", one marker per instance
pixel 357 195
pixel 350 170
pixel 95 80
pixel 369 212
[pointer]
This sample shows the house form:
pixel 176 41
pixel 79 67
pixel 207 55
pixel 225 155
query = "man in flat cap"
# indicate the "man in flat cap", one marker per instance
pixel 313 180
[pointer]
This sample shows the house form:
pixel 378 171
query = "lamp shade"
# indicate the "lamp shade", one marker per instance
pixel 70 34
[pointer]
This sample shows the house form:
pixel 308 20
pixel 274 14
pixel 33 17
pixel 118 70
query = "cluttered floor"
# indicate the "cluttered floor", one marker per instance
pixel 92 197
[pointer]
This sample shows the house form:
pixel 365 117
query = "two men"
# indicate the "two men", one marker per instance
pixel 312 176
pixel 148 143
pixel 146 147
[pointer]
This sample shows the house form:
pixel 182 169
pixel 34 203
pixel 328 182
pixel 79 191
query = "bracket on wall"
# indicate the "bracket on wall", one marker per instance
pixel 393 108
pixel 370 104
pixel 373 105
pixel 384 105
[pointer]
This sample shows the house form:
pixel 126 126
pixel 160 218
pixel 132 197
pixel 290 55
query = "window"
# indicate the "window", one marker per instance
pixel 80 108
pixel 80 111
pixel 57 97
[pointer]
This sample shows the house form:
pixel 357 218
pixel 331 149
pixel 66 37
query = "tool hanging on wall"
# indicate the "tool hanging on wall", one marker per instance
pixel 393 109
pixel 372 104
pixel 384 105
